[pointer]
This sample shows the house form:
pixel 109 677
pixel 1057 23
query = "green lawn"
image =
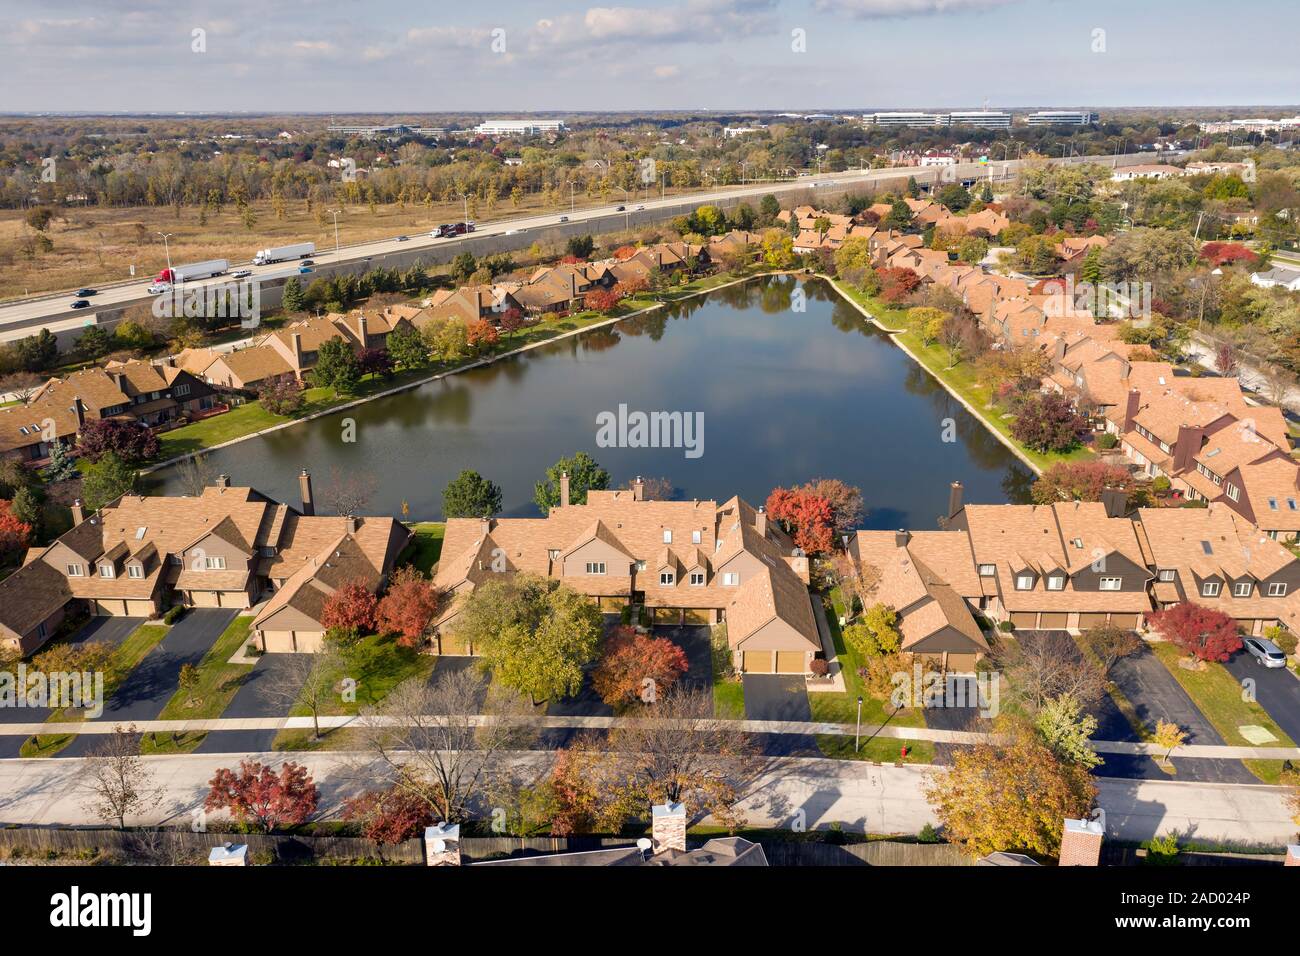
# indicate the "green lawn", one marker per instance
pixel 1218 696
pixel 426 547
pixel 219 681
pixel 377 664
pixel 125 658
pixel 728 693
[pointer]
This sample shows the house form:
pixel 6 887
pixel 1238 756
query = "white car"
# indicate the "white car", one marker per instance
pixel 1265 652
pixel 241 274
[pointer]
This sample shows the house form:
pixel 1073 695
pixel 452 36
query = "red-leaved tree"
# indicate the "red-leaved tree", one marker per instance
pixel 1080 481
pixel 808 517
pixel 602 300
pixel 636 667
pixel 130 441
pixel 255 795
pixel 388 816
pixel 407 607
pixel 350 608
pixel 1201 631
pixel 1228 253
pixel 896 284
pixel 1046 421
pixel 481 334
pixel 15 535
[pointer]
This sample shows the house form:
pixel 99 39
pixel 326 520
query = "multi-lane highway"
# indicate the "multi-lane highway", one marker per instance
pixel 26 316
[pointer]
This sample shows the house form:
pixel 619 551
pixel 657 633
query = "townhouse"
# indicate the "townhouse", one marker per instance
pixel 228 547
pixel 689 562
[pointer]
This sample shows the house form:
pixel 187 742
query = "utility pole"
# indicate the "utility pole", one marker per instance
pixel 335 214
pixel 167 247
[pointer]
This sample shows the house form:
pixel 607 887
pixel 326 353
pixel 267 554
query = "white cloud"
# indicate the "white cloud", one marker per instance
pixel 879 9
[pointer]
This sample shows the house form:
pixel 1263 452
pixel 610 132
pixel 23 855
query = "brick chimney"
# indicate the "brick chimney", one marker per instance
pixel 955 492
pixel 760 521
pixel 638 489
pixel 1186 447
pixel 1081 842
pixel 1115 502
pixel 485 525
pixel 304 485
pixel 1131 404
pixel 668 827
pixel 1292 855
pixel 78 512
pixel 442 845
pixel 901 538
pixel 223 481
pixel 361 329
pixel 351 523
pixel 564 490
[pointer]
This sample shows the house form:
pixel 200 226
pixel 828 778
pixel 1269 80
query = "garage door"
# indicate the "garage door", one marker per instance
pixel 789 662
pixel 697 615
pixel 1052 621
pixel 1091 620
pixel 111 608
pixel 612 605
pixel 1024 618
pixel 668 615
pixel 278 642
pixel 1127 621
pixel 453 646
pixel 961 663
pixel 205 598
pixel 758 662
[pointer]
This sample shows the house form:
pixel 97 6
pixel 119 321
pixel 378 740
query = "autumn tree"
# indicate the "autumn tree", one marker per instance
pixel 845 501
pixel 857 581
pixel 390 815
pixel 481 335
pixel 132 442
pixel 897 283
pixel 407 606
pixel 635 666
pixel 805 516
pixel 1046 421
pixel 15 534
pixel 350 610
pixel 1202 632
pixel 1109 644
pixel 257 796
pixel 1009 798
pixel 1067 729
pixel 281 395
pixel 877 633
pixel 1080 481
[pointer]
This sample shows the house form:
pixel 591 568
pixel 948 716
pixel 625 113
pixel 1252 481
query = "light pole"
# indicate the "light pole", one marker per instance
pixel 335 214
pixel 743 167
pixel 569 183
pixel 167 248
pixel 858 733
pixel 627 213
pixel 465 198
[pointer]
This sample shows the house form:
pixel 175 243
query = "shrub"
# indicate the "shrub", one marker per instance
pixel 1007 626
pixel 1107 441
pixel 1282 638
pixel 174 614
pixel 1160 485
pixel 928 834
pixel 819 667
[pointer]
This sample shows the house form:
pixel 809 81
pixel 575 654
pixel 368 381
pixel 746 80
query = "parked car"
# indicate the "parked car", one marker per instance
pixel 1264 651
pixel 80 304
pixel 241 273
pixel 82 293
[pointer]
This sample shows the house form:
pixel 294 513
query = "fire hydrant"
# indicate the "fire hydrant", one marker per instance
pixel 903 753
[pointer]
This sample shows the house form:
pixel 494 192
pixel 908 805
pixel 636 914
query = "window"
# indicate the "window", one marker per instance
pixel 1167 574
pixel 595 567
pixel 987 570
pixel 1110 584
pixel 1277 589
pixel 668 536
pixel 1024 582
pixel 1056 583
pixel 180 390
pixel 697 578
pixel 1210 589
pixel 695 537
pixel 74 571
pixel 1206 548
pixel 1272 504
pixel 731 579
pixel 1290 503
pixel 1232 491
pixel 215 563
pixel 134 571
pixel 1242 589
pixel 666 578
pixel 106 571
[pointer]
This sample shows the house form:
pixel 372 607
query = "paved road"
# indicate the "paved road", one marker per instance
pixel 815 792
pixel 1277 690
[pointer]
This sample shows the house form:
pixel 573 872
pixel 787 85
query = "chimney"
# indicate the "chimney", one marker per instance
pixel 295 339
pixel 485 526
pixel 1292 855
pixel 361 329
pixel 1081 842
pixel 1131 404
pixel 223 481
pixel 955 492
pixel 564 489
pixel 668 827
pixel 1115 502
pixel 229 854
pixel 442 845
pixel 1058 353
pixel 78 512
pixel 304 485
pixel 1186 447
pixel 351 523
pixel 638 489
pixel 901 538
pixel 79 409
pixel 760 521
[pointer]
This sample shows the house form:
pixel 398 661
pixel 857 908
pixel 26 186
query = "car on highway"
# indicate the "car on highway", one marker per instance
pixel 80 304
pixel 1264 651
pixel 639 208
pixel 241 273
pixel 620 208
pixel 435 232
pixel 513 232
pixel 401 238
pixel 469 225
pixel 305 270
pixel 82 293
pixel 564 219
pixel 307 262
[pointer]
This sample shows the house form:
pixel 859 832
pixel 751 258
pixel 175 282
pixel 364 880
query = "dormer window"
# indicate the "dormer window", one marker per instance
pixel 1167 574
pixel 987 570
pixel 1242 589
pixel 1210 589
pixel 697 579
pixel 134 571
pixel 730 579
pixel 1277 589
pixel 666 578
pixel 1056 582
pixel 1024 582
pixel 75 571
pixel 106 571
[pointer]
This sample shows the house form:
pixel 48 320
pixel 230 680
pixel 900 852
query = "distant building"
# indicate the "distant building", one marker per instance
pixel 1062 118
pixel 1283 276
pixel 1147 171
pixel 396 130
pixel 906 120
pixel 1256 125
pixel 532 127
pixel 981 119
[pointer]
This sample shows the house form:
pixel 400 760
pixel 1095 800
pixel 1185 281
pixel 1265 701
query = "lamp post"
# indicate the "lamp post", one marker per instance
pixel 857 734
pixel 335 214
pixel 627 213
pixel 743 166
pixel 569 183
pixel 465 199
pixel 167 247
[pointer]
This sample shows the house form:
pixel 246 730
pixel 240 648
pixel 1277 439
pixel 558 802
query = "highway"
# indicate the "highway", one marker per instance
pixel 24 317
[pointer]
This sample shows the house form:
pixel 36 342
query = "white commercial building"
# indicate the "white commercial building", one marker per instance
pixel 981 119
pixel 1062 118
pixel 531 127
pixel 906 120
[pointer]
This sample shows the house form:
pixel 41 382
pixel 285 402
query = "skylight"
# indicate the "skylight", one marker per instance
pixel 1205 546
pixel 139 533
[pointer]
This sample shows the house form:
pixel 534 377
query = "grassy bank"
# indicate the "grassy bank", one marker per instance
pixel 426 547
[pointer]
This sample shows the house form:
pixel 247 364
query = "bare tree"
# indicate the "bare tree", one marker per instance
pixel 1109 644
pixel 349 493
pixel 1277 383
pixel 21 384
pixel 194 474
pixel 311 681
pixel 1043 666
pixel 119 785
pixel 441 740
pixel 154 846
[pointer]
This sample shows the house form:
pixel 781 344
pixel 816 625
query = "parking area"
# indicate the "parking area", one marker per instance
pixel 776 697
pixel 1277 690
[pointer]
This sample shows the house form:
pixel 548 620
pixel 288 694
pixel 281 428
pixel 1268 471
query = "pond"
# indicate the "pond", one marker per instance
pixel 788 381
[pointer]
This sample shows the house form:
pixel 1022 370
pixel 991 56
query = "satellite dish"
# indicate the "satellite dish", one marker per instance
pixel 439 845
pixel 645 844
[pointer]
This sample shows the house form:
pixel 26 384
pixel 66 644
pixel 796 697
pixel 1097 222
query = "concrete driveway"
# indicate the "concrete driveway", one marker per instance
pixel 146 690
pixel 776 697
pixel 1276 690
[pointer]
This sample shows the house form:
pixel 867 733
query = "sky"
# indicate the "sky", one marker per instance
pixel 502 56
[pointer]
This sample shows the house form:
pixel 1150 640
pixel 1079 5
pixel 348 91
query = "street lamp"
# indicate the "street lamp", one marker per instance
pixel 858 733
pixel 569 183
pixel 335 214
pixel 167 247
pixel 465 198
pixel 743 166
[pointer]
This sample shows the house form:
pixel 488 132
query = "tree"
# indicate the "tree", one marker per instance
pixel 470 495
pixel 407 606
pixel 390 815
pixel 188 681
pixel 601 300
pixel 1202 632
pixel 1169 737
pixel 463 266
pixel 857 581
pixel 584 475
pixel 15 535
pixel 292 298
pixel 350 609
pixel 35 353
pixel 807 516
pixel 257 796
pixel 580 246
pixel 430 742
pixel 1109 644
pixel 845 501
pixel 376 362
pixel 311 681
pixel 536 634
pixel 1225 359
pixel 448 339
pixel 21 384
pixel 877 633
pixel 337 367
pixel 635 666
pixel 1067 730
pixel 118 782
pixel 132 442
pixel 1009 798
pixel 927 323
pixel 348 492
pixel 512 320
pixel 61 466
pixel 897 283
pixel 106 480
pixel 281 395
pixel 1046 421
pixel 778 250
pixel 407 347
pixel 1080 481
pixel 131 335
pixel 194 474
pixel 481 335
pixel 1042 666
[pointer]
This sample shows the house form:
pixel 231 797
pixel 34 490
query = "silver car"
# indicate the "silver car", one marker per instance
pixel 1264 652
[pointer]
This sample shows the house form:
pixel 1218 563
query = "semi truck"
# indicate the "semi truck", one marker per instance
pixel 299 250
pixel 188 273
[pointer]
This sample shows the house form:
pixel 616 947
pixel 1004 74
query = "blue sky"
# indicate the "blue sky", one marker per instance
pixel 385 55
